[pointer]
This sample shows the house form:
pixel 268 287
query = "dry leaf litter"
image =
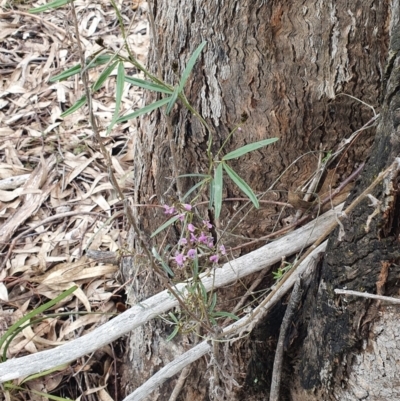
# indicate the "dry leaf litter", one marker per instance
pixel 56 200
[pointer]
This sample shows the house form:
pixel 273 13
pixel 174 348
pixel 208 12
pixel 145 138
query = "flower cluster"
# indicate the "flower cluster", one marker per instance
pixel 197 240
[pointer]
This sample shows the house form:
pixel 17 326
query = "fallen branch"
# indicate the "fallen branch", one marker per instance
pixel 368 295
pixel 204 347
pixel 163 301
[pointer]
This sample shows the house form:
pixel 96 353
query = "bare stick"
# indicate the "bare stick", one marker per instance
pixel 277 371
pixel 205 347
pixel 368 295
pixel 164 301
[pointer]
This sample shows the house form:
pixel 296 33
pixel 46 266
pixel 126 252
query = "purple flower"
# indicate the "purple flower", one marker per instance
pixel 193 238
pixel 169 209
pixel 179 259
pixel 183 241
pixel 203 238
pixel 207 224
pixel 191 227
pixel 222 249
pixel 210 243
pixel 192 253
pixel 187 207
pixel 214 258
pixel 181 216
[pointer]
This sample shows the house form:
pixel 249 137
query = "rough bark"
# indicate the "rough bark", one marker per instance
pixel 284 67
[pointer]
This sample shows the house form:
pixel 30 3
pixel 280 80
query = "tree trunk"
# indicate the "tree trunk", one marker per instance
pixel 285 70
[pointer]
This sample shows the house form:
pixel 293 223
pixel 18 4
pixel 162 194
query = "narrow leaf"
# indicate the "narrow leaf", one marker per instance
pixel 165 225
pixel 211 192
pixel 163 264
pixel 148 85
pixel 76 69
pixel 30 315
pixel 242 185
pixel 193 175
pixel 225 314
pixel 194 187
pixel 248 148
pixel 174 333
pixel 172 100
pixel 49 6
pixel 75 107
pixel 218 190
pixel 118 95
pixel 144 110
pixel 103 76
pixel 190 65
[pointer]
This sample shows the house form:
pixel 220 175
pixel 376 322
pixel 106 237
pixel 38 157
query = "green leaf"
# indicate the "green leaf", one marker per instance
pixel 148 85
pixel 190 65
pixel 211 192
pixel 75 107
pixel 144 110
pixel 174 333
pixel 45 395
pixel 118 95
pixel 103 76
pixel 49 6
pixel 76 69
pixel 173 317
pixel 194 187
pixel 165 225
pixel 217 187
pixel 172 100
pixel 242 185
pixel 163 264
pixel 225 314
pixel 45 373
pixel 194 175
pixel 213 302
pixel 248 148
pixel 30 315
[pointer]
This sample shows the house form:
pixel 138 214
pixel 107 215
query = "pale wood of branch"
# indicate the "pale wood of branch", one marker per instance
pixel 163 302
pixel 238 327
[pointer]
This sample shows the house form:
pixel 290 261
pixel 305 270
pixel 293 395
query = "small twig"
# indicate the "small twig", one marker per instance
pixel 277 370
pixel 368 295
pixel 179 384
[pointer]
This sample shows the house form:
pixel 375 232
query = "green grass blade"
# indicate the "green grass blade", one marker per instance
pixel 165 225
pixel 103 76
pixel 144 110
pixel 218 190
pixel 248 148
pixel 49 6
pixel 174 333
pixel 46 396
pixel 190 65
pixel 118 95
pixel 149 85
pixel 172 100
pixel 242 185
pixel 75 107
pixel 35 312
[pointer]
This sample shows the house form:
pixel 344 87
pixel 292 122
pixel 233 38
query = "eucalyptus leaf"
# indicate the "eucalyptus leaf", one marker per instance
pixel 248 148
pixel 242 185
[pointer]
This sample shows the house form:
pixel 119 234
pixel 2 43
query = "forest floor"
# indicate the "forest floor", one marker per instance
pixel 56 200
